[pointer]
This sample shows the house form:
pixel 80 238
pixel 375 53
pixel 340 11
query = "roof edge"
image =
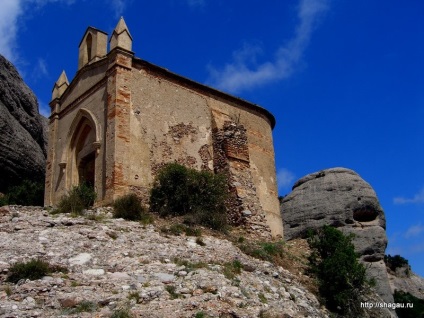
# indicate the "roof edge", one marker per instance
pixel 208 89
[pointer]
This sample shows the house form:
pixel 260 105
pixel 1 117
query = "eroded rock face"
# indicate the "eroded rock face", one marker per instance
pixel 22 130
pixel 341 198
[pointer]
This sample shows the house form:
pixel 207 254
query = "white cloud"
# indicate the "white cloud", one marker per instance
pixel 244 73
pixel 417 198
pixel 414 230
pixel 12 10
pixel 118 6
pixel 9 13
pixel 285 178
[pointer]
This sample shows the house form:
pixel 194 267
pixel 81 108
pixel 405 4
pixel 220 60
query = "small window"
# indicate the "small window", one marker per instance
pixel 89 43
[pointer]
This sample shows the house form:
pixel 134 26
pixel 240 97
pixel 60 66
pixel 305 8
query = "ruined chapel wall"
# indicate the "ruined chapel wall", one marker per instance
pixel 168 123
pixel 261 155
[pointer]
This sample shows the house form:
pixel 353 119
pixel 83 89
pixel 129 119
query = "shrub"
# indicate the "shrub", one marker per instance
pixel 268 251
pixel 341 278
pixel 79 198
pixel 33 269
pixel 85 306
pixel 121 313
pixel 129 207
pixel 4 199
pixel 134 295
pixel 198 195
pixel 396 261
pixel 26 193
pixel 178 229
pixel 232 269
pixel 188 265
pixel 404 298
pixel 171 289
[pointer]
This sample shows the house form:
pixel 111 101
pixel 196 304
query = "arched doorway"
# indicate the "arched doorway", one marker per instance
pixel 84 153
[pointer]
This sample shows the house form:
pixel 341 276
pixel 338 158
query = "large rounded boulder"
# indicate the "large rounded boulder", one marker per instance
pixel 341 198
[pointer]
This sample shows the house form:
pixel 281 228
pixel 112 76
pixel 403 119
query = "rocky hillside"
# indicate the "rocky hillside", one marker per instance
pixel 113 264
pixel 341 198
pixel 22 130
pixel 403 279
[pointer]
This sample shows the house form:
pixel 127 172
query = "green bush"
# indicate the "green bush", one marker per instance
pixel 121 313
pixel 26 193
pixel 198 195
pixel 178 229
pixel 404 298
pixel 33 269
pixel 396 261
pixel 232 269
pixel 268 251
pixel 341 278
pixel 79 198
pixel 129 207
pixel 4 200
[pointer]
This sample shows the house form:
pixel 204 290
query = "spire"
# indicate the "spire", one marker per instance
pixel 121 36
pixel 60 86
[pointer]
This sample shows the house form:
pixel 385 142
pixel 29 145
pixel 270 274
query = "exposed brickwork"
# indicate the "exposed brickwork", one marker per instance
pixel 231 157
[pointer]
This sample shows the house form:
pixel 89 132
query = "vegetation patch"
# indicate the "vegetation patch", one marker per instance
pixel 26 193
pixel 232 269
pixel 178 229
pixel 84 306
pixel 404 299
pixel 262 298
pixel 341 278
pixel 267 251
pixel 397 261
pixel 121 313
pixel 189 266
pixel 32 270
pixel 134 295
pixel 79 198
pixel 198 195
pixel 129 208
pixel 171 289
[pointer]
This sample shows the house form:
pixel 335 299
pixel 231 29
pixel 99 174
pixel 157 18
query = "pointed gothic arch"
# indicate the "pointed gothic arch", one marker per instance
pixel 82 146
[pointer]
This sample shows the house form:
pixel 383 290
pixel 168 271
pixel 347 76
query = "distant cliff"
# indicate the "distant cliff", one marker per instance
pixel 22 130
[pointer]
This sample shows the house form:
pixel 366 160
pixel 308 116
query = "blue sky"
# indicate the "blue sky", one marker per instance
pixel 344 79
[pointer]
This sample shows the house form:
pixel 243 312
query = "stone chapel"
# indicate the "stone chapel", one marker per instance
pixel 122 118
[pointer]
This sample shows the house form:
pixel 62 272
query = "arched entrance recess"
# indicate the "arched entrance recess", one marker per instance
pixel 84 153
pixel 83 146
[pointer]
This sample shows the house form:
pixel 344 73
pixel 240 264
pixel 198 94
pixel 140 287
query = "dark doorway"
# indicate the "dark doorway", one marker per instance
pixel 86 169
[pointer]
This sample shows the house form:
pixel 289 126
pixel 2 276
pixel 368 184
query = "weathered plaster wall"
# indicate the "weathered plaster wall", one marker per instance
pixel 168 123
pixel 172 122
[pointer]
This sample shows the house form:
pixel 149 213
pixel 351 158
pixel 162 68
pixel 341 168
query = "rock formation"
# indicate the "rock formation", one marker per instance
pixel 341 198
pixel 403 279
pixel 22 130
